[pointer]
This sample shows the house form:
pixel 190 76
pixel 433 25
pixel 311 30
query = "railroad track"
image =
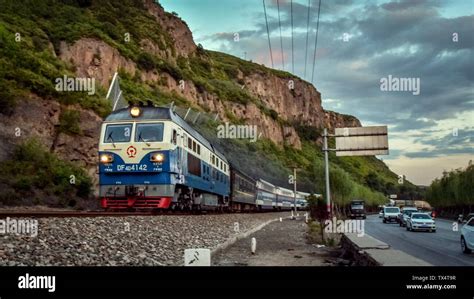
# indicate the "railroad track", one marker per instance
pixel 64 214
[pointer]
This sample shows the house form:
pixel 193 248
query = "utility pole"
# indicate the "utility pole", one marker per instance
pixel 326 164
pixel 294 187
pixel 370 141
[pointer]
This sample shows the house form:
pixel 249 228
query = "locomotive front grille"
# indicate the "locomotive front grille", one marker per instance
pixel 131 190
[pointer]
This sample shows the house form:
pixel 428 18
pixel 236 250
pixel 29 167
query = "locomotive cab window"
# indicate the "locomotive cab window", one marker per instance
pixel 149 132
pixel 118 133
pixel 174 137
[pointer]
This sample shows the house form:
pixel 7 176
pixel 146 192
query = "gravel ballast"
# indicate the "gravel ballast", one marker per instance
pixel 123 241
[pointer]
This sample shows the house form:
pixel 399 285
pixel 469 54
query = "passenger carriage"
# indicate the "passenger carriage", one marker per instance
pixel 266 195
pixel 285 198
pixel 243 191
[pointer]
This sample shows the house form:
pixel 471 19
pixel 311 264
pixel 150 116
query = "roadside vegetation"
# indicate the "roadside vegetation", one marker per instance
pixel 453 193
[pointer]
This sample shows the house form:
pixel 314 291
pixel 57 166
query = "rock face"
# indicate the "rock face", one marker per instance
pixel 94 58
pixel 97 59
pixel 38 118
pixel 177 28
pixel 32 117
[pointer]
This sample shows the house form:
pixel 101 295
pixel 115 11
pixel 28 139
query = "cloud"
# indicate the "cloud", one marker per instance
pixel 406 38
pixel 455 138
pixel 413 124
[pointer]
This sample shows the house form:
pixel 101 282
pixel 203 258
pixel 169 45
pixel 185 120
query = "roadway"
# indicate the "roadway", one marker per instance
pixel 440 249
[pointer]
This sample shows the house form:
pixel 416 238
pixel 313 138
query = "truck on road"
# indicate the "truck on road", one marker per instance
pixel 357 209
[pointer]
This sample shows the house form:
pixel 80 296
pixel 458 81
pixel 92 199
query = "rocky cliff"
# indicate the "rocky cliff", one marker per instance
pixel 155 61
pixel 302 104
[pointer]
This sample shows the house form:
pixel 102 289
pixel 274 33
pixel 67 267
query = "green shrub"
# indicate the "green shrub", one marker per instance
pixel 273 114
pixel 7 98
pixel 167 67
pixel 306 132
pixel 146 61
pixel 31 167
pixel 230 91
pixel 69 122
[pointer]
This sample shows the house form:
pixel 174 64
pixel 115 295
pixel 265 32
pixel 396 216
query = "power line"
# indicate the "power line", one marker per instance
pixel 316 42
pixel 307 36
pixel 292 41
pixel 268 33
pixel 281 39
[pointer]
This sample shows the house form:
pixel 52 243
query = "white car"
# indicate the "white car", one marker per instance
pixel 381 213
pixel 420 221
pixel 467 236
pixel 390 214
pixel 402 218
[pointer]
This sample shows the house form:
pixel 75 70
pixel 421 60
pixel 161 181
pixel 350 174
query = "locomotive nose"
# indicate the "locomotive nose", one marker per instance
pixel 131 190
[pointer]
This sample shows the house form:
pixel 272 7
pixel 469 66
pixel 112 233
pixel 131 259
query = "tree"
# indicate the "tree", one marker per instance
pixel 200 49
pixel 373 182
pixel 341 186
pixel 318 211
pixel 454 189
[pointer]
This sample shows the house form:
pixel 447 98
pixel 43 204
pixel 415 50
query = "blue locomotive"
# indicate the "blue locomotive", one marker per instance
pixel 151 158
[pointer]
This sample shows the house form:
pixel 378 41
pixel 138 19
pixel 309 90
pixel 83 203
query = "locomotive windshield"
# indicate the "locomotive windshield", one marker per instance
pixel 149 132
pixel 118 133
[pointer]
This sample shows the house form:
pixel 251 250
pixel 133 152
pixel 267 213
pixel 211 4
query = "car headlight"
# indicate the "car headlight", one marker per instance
pixel 106 158
pixel 157 157
pixel 135 112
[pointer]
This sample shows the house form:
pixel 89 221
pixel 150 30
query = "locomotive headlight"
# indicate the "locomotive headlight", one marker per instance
pixel 135 112
pixel 157 157
pixel 106 158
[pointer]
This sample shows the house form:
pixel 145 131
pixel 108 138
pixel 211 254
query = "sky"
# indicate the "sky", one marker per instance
pixel 361 44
